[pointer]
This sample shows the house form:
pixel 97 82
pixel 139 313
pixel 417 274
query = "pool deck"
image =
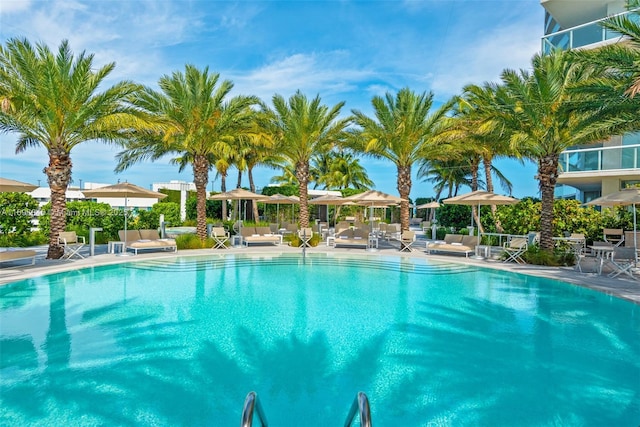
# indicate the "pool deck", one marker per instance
pixel 622 286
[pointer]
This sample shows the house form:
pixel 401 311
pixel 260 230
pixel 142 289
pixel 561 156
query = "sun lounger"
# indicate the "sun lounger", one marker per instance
pixel 260 236
pixel 352 237
pixel 18 254
pixel 137 240
pixel 454 243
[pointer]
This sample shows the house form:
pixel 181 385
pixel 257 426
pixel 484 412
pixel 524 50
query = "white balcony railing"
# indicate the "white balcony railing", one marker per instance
pixel 581 35
pixel 620 157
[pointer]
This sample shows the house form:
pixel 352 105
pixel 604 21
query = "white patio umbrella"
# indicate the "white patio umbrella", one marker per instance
pixel 431 205
pixel 327 200
pixel 125 190
pixel 238 194
pixel 478 198
pixel 278 199
pixel 625 197
pixel 12 186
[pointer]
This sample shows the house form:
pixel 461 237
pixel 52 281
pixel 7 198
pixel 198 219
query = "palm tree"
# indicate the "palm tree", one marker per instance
pixel 614 90
pixel 403 132
pixel 479 125
pixel 302 128
pixel 339 170
pixel 52 100
pixel 201 127
pixel 446 174
pixel 538 110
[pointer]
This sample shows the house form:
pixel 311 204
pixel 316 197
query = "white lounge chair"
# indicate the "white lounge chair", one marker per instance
pixel 406 240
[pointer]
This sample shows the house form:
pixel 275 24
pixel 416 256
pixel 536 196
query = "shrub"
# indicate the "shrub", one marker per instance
pixel 17 211
pixel 191 241
pixel 534 255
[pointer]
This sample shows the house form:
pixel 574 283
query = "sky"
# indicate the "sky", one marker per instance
pixel 340 50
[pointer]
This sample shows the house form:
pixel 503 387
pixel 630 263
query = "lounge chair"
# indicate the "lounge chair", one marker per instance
pixel 72 244
pixel 623 259
pixel 406 240
pixel 454 243
pixel 18 254
pixel 260 236
pixel 220 237
pixel 515 247
pixel 137 240
pixel 352 237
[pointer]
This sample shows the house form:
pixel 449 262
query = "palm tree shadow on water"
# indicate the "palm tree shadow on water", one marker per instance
pixel 482 365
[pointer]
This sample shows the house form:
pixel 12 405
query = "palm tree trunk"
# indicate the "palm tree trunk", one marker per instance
pixel 302 173
pixel 475 166
pixel 486 161
pixel 239 184
pixel 547 176
pixel 223 189
pixel 201 178
pixel 252 187
pixel 58 175
pixel 404 189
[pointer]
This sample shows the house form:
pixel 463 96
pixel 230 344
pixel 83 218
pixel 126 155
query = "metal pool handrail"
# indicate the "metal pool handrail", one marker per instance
pixel 252 403
pixel 360 405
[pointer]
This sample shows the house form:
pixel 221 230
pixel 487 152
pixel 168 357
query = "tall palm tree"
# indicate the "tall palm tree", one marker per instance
pixel 476 111
pixel 53 100
pixel 201 127
pixel 403 131
pixel 300 129
pixel 537 108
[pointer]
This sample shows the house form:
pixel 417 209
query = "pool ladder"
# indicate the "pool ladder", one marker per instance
pixel 252 404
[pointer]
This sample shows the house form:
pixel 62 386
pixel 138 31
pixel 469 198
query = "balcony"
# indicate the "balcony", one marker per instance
pixel 619 158
pixel 580 36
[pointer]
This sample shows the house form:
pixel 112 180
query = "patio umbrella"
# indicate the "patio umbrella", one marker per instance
pixel 126 190
pixel 478 198
pixel 431 205
pixel 11 186
pixel 278 199
pixel 239 194
pixel 624 197
pixel 327 200
pixel 373 198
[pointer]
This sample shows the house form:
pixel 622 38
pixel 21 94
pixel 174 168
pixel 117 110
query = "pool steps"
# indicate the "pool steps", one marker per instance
pixel 190 264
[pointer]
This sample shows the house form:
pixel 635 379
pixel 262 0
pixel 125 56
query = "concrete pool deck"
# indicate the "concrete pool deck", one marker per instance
pixel 622 286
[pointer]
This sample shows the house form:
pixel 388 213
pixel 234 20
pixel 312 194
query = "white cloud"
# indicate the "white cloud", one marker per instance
pixel 8 7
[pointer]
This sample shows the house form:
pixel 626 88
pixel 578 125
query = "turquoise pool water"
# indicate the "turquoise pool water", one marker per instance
pixel 182 341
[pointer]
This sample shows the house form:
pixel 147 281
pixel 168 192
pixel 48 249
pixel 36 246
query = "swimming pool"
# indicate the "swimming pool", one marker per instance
pixel 181 341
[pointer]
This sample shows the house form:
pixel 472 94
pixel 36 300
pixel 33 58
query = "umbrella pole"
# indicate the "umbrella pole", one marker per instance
pixel 124 248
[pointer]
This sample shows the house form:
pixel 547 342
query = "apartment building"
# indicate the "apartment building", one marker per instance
pixel 608 166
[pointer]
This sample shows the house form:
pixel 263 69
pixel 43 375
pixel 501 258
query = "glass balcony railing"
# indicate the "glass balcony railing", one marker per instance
pixel 600 159
pixel 580 36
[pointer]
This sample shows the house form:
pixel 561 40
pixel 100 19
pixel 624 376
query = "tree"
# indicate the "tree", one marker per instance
pixel 404 132
pixel 301 128
pixel 16 213
pixel 340 170
pixel 537 109
pixel 52 100
pixel 200 127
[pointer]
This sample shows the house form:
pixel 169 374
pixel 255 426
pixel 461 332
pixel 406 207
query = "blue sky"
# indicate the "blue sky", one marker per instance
pixel 345 50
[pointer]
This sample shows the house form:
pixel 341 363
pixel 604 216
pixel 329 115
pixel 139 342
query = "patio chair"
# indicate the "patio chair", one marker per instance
pixel 406 240
pixel 615 236
pixel 623 259
pixel 220 237
pixel 515 247
pixel 72 244
pixel 305 234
